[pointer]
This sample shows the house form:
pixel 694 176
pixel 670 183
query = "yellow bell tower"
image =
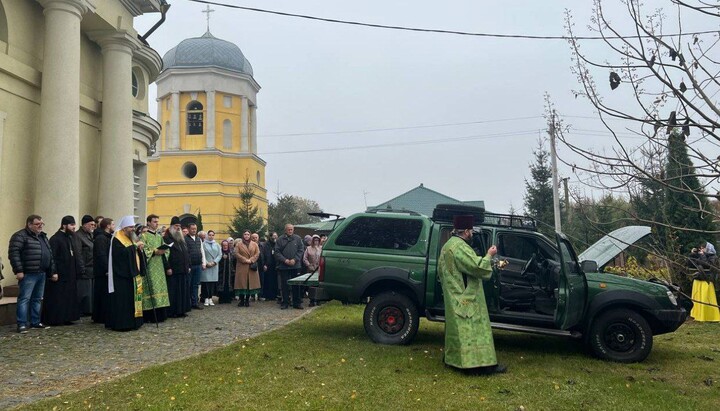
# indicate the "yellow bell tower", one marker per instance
pixel 207 153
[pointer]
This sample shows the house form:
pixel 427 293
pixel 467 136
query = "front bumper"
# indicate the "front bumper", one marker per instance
pixel 669 320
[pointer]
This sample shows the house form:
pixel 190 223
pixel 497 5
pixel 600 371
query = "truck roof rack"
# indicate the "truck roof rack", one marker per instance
pixel 510 220
pixel 392 211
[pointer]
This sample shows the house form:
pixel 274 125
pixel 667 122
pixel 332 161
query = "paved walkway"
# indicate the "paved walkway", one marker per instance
pixel 45 363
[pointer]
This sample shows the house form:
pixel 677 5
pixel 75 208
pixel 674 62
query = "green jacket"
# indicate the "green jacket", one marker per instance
pixel 468 336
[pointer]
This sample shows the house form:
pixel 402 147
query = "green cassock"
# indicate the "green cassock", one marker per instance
pixel 156 293
pixel 468 336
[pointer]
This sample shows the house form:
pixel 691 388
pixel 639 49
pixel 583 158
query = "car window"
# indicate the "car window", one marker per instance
pixel 376 232
pixel 523 247
pixel 487 238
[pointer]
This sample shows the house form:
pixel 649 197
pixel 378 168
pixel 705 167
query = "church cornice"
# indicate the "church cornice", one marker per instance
pixel 210 152
pixel 138 7
pixel 204 72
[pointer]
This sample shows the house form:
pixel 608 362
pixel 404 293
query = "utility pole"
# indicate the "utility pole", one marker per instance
pixel 553 158
pixel 568 209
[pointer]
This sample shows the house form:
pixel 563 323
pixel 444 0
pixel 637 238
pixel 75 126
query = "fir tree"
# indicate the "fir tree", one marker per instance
pixel 538 191
pixel 689 214
pixel 247 215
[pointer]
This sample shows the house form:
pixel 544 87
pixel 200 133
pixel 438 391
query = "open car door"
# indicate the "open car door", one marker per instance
pixel 572 287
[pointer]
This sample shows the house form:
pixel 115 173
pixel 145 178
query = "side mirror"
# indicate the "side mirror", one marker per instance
pixel 589 266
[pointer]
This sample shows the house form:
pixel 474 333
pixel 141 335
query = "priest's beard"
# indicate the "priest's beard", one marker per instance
pixel 134 237
pixel 177 235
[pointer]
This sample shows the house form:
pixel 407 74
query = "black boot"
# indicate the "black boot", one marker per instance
pixel 247 301
pixel 241 303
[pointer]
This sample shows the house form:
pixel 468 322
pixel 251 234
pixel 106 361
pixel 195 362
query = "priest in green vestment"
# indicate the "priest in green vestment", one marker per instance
pixel 468 336
pixel 155 290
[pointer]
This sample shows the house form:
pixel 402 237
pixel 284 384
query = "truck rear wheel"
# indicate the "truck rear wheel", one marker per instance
pixel 621 335
pixel 391 318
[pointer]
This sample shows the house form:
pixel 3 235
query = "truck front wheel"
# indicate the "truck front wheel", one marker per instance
pixel 620 335
pixel 391 318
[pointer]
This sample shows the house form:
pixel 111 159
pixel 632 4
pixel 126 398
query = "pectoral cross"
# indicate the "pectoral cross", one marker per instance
pixel 208 10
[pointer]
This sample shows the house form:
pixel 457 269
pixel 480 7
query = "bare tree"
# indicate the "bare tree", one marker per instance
pixel 668 81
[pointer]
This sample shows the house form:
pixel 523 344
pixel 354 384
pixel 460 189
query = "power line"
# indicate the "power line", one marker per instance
pixel 409 143
pixel 372 130
pixel 438 31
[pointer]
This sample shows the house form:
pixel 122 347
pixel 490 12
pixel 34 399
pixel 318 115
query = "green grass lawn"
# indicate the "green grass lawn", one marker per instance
pixel 325 361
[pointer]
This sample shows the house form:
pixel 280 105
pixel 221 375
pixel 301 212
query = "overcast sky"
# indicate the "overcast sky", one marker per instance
pixel 320 77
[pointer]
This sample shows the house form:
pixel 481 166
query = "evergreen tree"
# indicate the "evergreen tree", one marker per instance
pixel 199 221
pixel 247 215
pixel 290 209
pixel 538 191
pixel 690 215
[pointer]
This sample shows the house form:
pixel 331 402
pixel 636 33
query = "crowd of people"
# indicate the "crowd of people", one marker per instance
pixel 124 274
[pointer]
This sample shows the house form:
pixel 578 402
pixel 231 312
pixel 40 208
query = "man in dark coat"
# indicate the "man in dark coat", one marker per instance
pixel 31 259
pixel 60 302
pixel 85 237
pixel 124 279
pixel 197 263
pixel 178 280
pixel 289 250
pixel 270 283
pixel 101 256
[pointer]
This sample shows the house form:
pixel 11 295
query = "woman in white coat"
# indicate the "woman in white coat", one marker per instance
pixel 209 276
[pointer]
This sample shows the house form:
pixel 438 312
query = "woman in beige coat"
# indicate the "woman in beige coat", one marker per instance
pixel 247 280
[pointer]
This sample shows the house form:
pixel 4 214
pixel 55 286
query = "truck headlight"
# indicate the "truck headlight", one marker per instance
pixel 672 297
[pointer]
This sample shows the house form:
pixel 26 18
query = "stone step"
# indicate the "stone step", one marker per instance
pixel 7 310
pixel 11 291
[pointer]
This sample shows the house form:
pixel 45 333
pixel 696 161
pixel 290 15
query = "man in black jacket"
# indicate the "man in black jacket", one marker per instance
pixel 289 250
pixel 32 260
pixel 197 263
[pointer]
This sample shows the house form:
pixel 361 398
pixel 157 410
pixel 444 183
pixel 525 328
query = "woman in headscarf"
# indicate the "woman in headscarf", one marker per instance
pixel 311 259
pixel 703 289
pixel 126 265
pixel 247 279
pixel 226 274
pixel 209 276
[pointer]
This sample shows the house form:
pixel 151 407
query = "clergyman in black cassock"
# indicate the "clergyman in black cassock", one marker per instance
pixel 179 280
pixel 60 304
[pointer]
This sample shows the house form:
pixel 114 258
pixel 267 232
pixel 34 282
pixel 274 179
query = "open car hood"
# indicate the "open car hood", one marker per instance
pixel 613 244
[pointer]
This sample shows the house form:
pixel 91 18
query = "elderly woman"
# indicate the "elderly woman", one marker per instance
pixel 311 259
pixel 226 278
pixel 247 279
pixel 209 276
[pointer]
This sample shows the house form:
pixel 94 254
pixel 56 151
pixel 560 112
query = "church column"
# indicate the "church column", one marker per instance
pixel 244 118
pixel 210 140
pixel 57 174
pixel 115 196
pixel 175 121
pixel 253 128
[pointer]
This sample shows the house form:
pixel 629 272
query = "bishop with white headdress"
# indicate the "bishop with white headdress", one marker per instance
pixel 126 266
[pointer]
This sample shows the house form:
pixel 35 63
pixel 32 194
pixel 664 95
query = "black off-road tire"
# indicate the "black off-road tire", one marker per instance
pixel 391 318
pixel 620 335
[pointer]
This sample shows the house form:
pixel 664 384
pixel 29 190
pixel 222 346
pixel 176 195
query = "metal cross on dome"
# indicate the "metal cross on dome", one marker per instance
pixel 208 10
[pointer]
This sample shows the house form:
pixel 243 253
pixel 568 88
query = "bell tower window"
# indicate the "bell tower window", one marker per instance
pixel 195 118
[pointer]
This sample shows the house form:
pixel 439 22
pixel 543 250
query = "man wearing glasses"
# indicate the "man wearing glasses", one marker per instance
pixel 31 259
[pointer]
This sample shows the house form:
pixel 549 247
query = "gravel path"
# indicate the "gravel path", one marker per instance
pixel 45 363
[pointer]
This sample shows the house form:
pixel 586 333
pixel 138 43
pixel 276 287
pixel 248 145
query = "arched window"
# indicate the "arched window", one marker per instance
pixel 194 118
pixel 227 134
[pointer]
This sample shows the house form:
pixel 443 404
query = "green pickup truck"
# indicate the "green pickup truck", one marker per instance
pixel 389 260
